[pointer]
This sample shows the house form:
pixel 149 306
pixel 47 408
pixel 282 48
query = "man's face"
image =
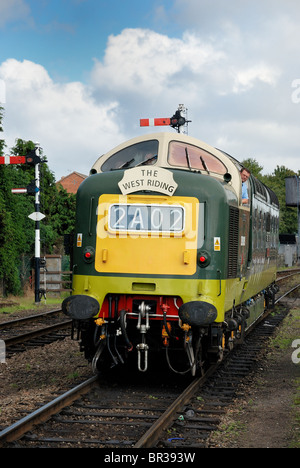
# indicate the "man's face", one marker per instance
pixel 245 176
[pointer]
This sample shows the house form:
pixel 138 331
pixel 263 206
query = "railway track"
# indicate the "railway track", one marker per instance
pixel 33 331
pixel 97 414
pixel 287 274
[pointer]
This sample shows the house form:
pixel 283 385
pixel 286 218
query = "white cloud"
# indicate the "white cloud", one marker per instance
pixel 140 60
pixel 270 142
pixel 251 16
pixel 246 79
pixel 237 86
pixel 71 127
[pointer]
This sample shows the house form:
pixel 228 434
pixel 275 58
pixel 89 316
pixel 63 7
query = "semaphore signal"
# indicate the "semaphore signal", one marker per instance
pixel 12 159
pixel 154 122
pixel 32 158
pixel 178 121
pixel 31 189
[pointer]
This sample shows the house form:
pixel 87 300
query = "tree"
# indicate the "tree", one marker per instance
pixel 8 254
pixel 254 167
pixel 12 225
pixel 57 205
pixel 276 182
pixel 17 236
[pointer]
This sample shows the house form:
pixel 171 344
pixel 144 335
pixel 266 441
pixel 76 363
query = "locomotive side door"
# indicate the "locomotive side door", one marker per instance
pixel 244 229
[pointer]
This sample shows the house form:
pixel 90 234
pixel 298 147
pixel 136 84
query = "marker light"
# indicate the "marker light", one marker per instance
pixel 204 259
pixel 89 254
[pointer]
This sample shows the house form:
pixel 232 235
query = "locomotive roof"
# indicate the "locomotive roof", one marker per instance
pixel 162 149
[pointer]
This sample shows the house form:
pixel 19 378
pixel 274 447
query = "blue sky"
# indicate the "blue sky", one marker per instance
pixel 79 74
pixel 65 35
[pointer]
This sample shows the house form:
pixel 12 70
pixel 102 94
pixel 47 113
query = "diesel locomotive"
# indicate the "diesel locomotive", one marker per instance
pixel 169 261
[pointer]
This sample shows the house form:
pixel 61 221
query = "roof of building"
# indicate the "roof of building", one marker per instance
pixel 72 181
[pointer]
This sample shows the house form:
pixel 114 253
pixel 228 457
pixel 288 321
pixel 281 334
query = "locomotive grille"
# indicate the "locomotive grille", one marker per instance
pixel 233 245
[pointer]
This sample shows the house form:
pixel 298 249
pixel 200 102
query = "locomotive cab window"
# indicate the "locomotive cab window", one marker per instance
pixel 193 157
pixel 140 154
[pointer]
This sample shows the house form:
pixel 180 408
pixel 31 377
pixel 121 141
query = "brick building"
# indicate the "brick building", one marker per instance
pixel 71 182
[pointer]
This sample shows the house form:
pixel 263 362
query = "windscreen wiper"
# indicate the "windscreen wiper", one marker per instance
pixel 204 164
pixel 127 164
pixel 147 161
pixel 188 159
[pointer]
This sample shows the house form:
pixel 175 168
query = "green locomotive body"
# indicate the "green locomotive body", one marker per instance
pixel 167 258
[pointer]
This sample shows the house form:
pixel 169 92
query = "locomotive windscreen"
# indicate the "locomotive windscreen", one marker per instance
pixel 144 153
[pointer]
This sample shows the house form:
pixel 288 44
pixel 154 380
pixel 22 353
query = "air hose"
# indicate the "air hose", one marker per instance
pixel 123 328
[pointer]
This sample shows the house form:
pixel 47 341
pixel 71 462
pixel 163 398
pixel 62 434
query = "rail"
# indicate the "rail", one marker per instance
pixel 17 430
pixel 38 328
pixel 151 437
pixel 154 433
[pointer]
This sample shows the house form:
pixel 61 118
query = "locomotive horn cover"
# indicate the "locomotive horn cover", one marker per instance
pixel 198 313
pixel 80 307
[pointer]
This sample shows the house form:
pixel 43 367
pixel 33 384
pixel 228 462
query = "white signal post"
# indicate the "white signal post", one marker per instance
pixel 37 259
pixel 37 216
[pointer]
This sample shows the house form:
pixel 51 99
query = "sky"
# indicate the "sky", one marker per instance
pixel 78 75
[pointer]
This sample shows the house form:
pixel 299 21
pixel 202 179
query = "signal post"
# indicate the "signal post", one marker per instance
pixel 32 158
pixel 178 121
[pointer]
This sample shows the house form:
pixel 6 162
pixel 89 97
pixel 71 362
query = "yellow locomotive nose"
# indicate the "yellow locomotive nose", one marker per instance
pixel 148 235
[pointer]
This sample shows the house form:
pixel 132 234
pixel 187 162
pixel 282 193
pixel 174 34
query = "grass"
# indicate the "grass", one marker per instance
pixel 14 304
pixel 289 332
pixel 232 429
pixel 283 341
pixel 296 416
